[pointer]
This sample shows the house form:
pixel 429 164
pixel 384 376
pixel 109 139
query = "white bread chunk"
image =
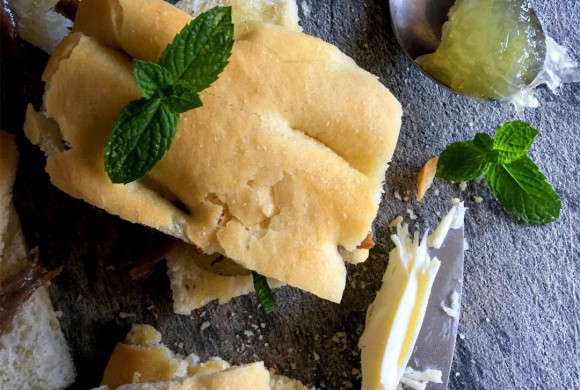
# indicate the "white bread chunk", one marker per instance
pixel 197 279
pixel 282 166
pixel 34 353
pixel 39 24
pixel 247 13
pixel 143 362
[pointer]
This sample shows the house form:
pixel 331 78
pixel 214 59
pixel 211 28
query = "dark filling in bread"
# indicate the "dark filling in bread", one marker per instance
pixel 17 289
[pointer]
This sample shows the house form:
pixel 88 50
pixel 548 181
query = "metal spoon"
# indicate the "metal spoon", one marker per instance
pixel 418 23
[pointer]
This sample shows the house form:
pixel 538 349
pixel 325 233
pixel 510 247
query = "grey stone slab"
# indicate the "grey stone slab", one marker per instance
pixel 520 323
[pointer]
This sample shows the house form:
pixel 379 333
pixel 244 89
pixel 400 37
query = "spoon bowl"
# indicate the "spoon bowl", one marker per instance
pixel 418 25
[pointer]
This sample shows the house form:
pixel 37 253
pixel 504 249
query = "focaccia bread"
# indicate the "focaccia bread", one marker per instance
pixel 143 362
pixel 281 170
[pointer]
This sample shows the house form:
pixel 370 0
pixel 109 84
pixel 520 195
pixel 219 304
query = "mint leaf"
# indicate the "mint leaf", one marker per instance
pixel 145 129
pixel 183 99
pixel 150 78
pixel 462 161
pixel 141 135
pixel 265 296
pixel 209 40
pixel 512 176
pixel 483 140
pixel 522 189
pixel 512 140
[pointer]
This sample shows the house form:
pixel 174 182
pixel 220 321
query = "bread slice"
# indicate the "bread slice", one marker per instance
pixel 34 353
pixel 143 362
pixel 281 170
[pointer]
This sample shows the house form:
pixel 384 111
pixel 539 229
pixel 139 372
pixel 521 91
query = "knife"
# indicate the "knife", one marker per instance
pixel 436 340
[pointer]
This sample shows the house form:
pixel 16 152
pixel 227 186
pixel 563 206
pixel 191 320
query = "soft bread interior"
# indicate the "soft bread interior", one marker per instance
pixel 143 362
pixel 197 279
pixel 281 166
pixel 34 352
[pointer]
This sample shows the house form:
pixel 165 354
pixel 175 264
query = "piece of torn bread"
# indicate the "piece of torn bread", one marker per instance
pixel 281 170
pixel 39 23
pixel 33 353
pixel 247 13
pixel 143 362
pixel 197 279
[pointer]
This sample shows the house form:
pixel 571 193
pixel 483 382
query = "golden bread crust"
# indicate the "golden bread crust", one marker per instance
pixel 136 366
pixel 282 165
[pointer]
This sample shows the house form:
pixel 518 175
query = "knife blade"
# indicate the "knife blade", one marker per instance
pixel 435 343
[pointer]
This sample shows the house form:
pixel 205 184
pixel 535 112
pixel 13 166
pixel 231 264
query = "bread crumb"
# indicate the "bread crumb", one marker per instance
pixel 316 356
pixel 290 350
pixel 453 309
pixel 462 185
pixel 249 333
pixel 411 214
pixel 111 268
pixel 477 199
pixel 436 192
pixel 58 313
pixel 465 245
pixel 80 297
pixel 136 377
pixel 425 177
pixel 204 326
pixel 397 195
pixel 123 314
pixel 398 219
pixel 455 200
pixel 150 307
pixel 305 9
pixel 461 336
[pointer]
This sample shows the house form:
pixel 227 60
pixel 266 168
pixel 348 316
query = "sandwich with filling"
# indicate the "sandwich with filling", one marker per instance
pixel 279 172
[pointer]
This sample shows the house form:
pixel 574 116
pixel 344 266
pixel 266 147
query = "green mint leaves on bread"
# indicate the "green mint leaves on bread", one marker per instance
pixel 146 127
pixel 511 175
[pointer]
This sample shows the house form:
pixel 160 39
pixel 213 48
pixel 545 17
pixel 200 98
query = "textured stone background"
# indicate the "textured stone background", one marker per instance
pixel 520 317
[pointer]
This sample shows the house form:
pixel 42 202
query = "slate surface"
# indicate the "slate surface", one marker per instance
pixel 520 323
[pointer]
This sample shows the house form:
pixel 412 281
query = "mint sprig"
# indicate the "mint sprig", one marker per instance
pixel 511 175
pixel 146 128
pixel 263 292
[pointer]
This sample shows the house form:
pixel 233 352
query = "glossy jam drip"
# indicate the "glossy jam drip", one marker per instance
pixel 489 48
